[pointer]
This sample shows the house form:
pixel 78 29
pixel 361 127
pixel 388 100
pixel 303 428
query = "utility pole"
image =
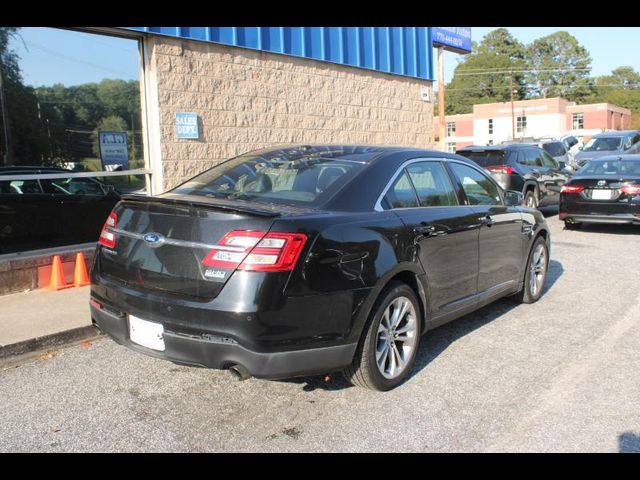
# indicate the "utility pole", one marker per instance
pixel 441 96
pixel 6 157
pixel 513 118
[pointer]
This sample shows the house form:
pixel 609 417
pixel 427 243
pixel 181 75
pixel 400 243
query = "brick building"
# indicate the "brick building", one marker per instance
pixel 493 123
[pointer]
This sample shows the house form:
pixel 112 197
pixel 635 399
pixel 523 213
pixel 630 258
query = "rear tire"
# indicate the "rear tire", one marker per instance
pixel 391 336
pixel 531 199
pixel 535 272
pixel 572 226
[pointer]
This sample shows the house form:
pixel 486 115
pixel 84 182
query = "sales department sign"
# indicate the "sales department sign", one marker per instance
pixel 114 150
pixel 187 125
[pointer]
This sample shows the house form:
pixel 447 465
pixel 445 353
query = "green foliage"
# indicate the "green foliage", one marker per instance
pixel 559 67
pixel 497 53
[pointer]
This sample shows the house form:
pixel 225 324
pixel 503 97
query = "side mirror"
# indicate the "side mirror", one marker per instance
pixel 513 198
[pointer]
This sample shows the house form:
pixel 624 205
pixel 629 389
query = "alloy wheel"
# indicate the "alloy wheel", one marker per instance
pixel 537 270
pixel 396 338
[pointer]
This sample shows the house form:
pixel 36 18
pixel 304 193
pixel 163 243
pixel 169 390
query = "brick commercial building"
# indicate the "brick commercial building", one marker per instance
pixel 493 123
pixel 253 87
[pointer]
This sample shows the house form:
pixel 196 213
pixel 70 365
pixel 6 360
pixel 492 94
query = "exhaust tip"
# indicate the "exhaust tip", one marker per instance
pixel 239 372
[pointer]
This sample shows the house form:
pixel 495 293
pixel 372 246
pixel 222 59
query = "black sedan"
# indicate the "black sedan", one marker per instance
pixel 40 213
pixel 312 259
pixel 606 190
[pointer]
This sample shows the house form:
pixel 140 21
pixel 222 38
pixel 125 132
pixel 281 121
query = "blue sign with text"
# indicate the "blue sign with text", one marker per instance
pixel 455 39
pixel 187 125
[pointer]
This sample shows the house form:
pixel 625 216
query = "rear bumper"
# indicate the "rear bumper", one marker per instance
pixel 219 352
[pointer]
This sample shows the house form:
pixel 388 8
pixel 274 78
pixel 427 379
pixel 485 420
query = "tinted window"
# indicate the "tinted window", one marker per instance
pixel 72 186
pixel 555 149
pixel 611 167
pixel 480 190
pixel 571 141
pixel 21 187
pixel 281 176
pixel 432 184
pixel 531 157
pixel 603 144
pixel 548 161
pixel 401 194
pixel 486 158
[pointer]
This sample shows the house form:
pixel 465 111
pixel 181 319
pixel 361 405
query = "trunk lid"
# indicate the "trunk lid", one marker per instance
pixel 161 242
pixel 605 188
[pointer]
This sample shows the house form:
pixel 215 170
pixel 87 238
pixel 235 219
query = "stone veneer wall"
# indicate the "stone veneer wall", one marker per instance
pixel 250 99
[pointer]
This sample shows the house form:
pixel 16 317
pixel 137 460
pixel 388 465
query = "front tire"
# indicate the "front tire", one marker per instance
pixel 531 199
pixel 388 349
pixel 535 273
pixel 572 226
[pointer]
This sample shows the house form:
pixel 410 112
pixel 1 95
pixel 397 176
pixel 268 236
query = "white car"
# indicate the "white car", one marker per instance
pixel 571 142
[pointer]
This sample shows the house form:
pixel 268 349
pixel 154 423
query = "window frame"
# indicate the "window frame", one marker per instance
pixel 463 201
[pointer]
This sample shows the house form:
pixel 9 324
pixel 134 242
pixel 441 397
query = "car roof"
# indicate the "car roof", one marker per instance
pixel 506 146
pixel 30 169
pixel 623 157
pixel 616 133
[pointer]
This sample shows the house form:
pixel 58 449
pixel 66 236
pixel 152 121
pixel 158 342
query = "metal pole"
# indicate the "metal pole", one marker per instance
pixel 441 96
pixel 513 118
pixel 6 158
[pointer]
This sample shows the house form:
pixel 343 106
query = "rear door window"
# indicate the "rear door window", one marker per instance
pixel 432 183
pixel 478 188
pixel 548 160
pixel 20 187
pixel 401 194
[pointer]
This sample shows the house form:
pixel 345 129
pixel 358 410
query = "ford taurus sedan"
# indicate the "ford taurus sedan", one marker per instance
pixel 313 259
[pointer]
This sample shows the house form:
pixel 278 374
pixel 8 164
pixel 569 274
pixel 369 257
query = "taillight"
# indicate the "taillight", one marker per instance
pixel 257 251
pixel 500 169
pixel 631 189
pixel 571 189
pixel 108 237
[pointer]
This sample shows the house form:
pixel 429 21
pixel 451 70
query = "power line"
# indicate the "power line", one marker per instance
pixel 549 86
pixel 509 71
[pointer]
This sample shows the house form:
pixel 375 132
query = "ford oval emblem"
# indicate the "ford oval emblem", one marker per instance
pixel 153 239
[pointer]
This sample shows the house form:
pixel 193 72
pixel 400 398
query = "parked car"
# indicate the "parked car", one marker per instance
pixel 42 213
pixel 522 167
pixel 556 149
pixel 307 260
pixel 606 190
pixel 609 143
pixel 572 144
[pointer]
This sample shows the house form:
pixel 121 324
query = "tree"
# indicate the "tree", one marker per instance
pixel 483 75
pixel 559 67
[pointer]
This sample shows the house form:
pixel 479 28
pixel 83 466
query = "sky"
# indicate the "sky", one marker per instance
pixel 609 47
pixel 52 55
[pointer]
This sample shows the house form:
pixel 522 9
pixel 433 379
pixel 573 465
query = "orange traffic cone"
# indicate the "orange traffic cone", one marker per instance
pixel 58 280
pixel 80 276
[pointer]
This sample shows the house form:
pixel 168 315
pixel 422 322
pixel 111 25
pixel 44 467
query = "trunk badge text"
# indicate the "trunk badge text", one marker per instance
pixel 154 240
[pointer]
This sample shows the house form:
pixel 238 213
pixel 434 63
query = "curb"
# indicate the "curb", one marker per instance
pixel 8 353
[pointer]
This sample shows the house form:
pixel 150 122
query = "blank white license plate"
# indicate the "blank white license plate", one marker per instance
pixel 601 195
pixel 147 334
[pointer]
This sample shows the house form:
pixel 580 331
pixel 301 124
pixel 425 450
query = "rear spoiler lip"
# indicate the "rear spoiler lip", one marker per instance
pixel 204 203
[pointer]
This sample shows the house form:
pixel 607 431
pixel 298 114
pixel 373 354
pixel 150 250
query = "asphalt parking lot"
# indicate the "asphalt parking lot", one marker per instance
pixel 562 375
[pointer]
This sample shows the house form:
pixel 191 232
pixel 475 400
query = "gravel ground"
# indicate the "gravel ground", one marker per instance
pixel 562 375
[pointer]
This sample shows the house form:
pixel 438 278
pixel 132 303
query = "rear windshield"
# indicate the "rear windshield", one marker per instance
pixel 290 177
pixel 486 158
pixel 611 167
pixel 603 144
pixel 555 149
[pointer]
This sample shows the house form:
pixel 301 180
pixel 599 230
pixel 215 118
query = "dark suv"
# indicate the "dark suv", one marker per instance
pixel 524 168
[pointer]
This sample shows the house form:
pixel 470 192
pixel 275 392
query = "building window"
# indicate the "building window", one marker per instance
pixel 521 124
pixel 491 126
pixel 577 121
pixel 451 129
pixel 451 147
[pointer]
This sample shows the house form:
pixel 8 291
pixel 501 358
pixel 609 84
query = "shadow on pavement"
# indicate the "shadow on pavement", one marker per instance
pixel 437 340
pixel 629 442
pixel 608 228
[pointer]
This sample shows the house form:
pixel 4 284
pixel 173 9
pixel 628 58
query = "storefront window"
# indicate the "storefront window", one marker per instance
pixel 62 90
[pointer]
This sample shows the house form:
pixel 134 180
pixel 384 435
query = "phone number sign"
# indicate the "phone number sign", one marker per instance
pixel 455 39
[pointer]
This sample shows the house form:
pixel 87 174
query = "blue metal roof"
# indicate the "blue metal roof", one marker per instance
pixel 399 50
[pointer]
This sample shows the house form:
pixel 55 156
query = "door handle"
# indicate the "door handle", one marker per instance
pixel 486 220
pixel 424 229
